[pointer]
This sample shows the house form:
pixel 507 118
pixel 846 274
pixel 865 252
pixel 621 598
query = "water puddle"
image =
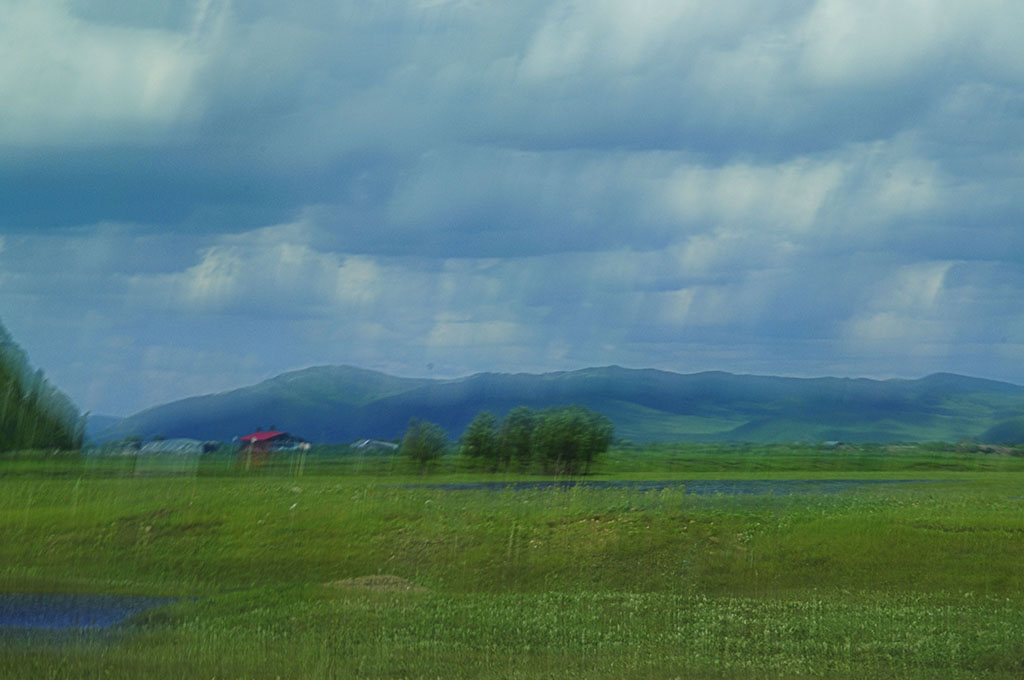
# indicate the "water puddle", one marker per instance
pixel 50 611
pixel 701 487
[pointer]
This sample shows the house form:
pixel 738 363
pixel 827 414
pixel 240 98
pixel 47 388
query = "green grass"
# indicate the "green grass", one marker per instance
pixel 921 580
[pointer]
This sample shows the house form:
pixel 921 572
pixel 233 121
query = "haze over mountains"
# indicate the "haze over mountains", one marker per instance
pixel 340 404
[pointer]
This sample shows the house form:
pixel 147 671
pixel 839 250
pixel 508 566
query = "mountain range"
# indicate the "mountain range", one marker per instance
pixel 338 404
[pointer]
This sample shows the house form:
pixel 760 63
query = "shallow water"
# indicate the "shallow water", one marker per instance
pixel 57 611
pixel 702 487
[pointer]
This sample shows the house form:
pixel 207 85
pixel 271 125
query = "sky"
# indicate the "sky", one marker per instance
pixel 196 195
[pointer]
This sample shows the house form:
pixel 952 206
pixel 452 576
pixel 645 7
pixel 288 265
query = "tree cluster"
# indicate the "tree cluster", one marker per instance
pixel 33 414
pixel 560 440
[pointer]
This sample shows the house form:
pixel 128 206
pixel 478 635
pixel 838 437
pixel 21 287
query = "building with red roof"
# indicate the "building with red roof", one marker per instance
pixel 271 440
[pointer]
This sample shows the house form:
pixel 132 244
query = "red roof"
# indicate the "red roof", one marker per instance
pixel 261 436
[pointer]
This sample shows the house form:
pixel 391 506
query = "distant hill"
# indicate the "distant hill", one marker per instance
pixel 96 425
pixel 1010 431
pixel 343 403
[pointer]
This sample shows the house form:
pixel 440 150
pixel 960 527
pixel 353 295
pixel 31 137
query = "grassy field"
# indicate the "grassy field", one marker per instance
pixel 334 567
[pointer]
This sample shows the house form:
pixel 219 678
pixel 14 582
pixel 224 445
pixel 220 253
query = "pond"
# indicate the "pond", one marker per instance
pixel 59 611
pixel 701 487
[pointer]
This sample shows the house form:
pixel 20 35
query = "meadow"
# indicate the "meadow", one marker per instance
pixel 346 566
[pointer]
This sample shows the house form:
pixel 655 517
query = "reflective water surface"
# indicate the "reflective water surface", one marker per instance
pixel 57 611
pixel 702 487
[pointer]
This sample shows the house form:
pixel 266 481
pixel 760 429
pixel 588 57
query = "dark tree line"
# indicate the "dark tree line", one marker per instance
pixel 33 414
pixel 559 440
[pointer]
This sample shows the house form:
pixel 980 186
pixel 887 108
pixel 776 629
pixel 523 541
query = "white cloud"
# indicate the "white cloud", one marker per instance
pixel 675 306
pixel 909 313
pixel 786 196
pixel 217 279
pixel 607 38
pixel 452 331
pixel 872 40
pixel 917 286
pixel 75 82
pixel 729 250
pixel 268 269
pixel 359 280
pixel 894 182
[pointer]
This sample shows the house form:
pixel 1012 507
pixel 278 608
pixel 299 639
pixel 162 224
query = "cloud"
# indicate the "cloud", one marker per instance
pixel 800 186
pixel 954 314
pixel 505 202
pixel 787 196
pixel 271 270
pixel 375 113
pixel 905 307
pixel 451 331
pixel 74 81
pixel 871 42
pixel 215 280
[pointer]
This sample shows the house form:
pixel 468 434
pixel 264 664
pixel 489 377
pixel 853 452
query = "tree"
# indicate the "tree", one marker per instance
pixel 424 442
pixel 480 441
pixel 567 439
pixel 517 435
pixel 33 414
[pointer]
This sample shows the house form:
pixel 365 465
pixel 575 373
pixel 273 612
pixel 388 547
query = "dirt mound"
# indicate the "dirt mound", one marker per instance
pixel 383 583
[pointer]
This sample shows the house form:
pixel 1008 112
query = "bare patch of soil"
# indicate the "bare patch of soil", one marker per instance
pixel 382 583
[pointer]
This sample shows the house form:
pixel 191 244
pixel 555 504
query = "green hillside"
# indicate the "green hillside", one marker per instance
pixel 33 414
pixel 342 404
pixel 1009 431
